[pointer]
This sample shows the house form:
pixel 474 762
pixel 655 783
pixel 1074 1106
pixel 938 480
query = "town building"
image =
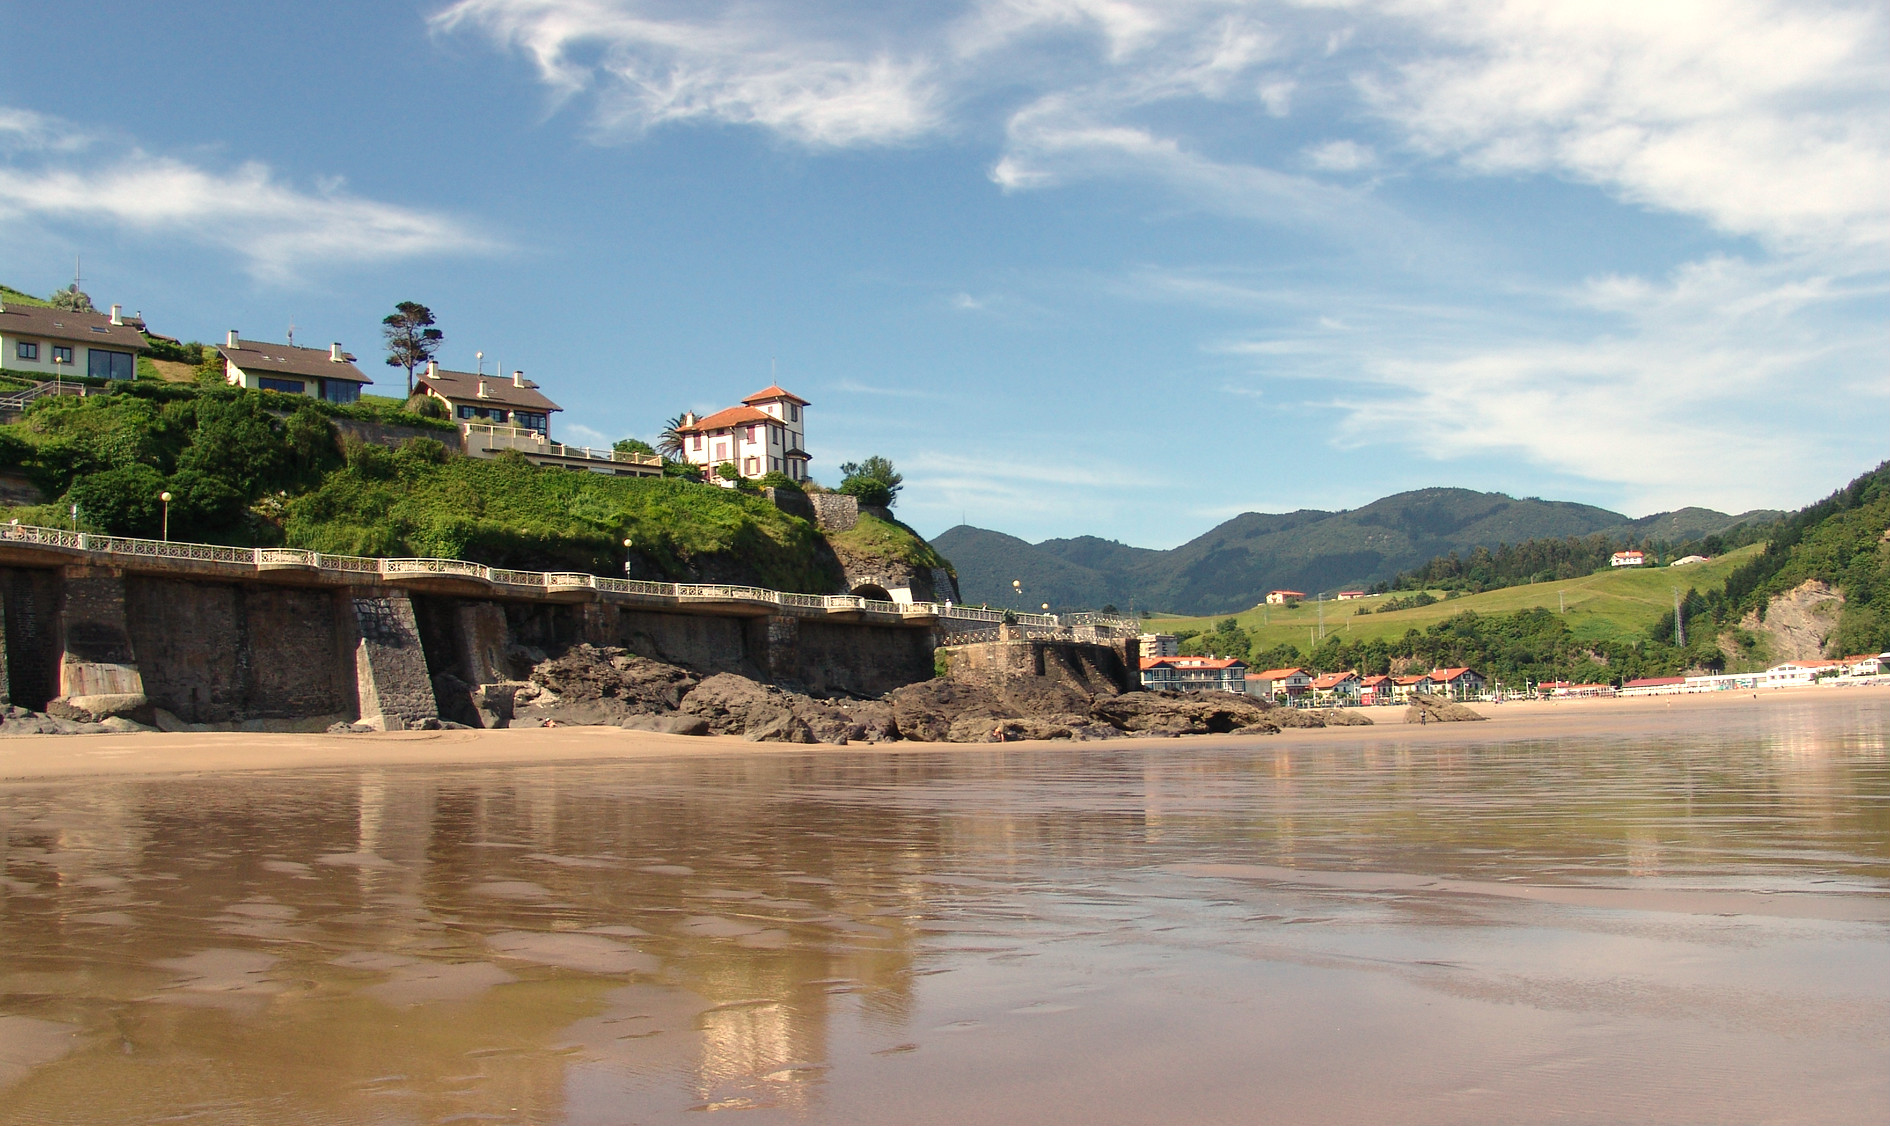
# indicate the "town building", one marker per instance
pixel 1405 687
pixel 1458 684
pixel 488 400
pixel 1160 645
pixel 1280 684
pixel 329 375
pixel 766 434
pixel 1377 689
pixel 1282 597
pixel 1349 595
pixel 1628 559
pixel 1337 687
pixel 1194 674
pixel 49 343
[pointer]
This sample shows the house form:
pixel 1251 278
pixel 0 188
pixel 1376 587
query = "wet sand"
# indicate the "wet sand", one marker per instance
pixel 32 757
pixel 1640 911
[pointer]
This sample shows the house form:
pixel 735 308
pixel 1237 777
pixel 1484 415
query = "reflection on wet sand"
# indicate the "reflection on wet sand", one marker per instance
pixel 1685 927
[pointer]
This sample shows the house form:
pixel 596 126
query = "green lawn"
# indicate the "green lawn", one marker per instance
pixel 1600 606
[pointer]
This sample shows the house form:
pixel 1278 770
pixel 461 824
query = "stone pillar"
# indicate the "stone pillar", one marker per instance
pixel 484 637
pixel 96 658
pixel 390 668
pixel 6 670
pixel 782 656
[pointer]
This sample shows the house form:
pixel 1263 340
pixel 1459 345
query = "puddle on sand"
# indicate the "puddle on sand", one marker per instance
pixel 1693 927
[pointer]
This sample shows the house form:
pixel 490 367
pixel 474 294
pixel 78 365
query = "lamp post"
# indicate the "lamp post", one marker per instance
pixel 1017 592
pixel 75 517
pixel 59 373
pixel 165 496
pixel 626 557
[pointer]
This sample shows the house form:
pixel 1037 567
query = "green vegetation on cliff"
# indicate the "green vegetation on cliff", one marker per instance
pixel 258 468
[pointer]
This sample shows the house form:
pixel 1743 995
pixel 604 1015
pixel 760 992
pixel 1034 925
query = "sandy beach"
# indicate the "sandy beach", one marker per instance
pixel 36 757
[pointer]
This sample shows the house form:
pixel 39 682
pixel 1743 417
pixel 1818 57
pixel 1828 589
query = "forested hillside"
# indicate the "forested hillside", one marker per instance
pixel 1232 566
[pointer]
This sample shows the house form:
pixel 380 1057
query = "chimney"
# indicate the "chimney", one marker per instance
pixel 231 342
pixel 118 314
pixel 518 379
pixel 483 393
pixel 334 353
pixel 433 368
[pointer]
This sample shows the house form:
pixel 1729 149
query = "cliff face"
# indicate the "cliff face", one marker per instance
pixel 1798 623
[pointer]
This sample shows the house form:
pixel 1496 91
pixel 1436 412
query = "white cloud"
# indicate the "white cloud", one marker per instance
pixel 1341 156
pixel 1766 119
pixel 278 230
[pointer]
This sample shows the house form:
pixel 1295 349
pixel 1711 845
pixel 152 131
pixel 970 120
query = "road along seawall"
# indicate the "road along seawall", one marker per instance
pixel 268 639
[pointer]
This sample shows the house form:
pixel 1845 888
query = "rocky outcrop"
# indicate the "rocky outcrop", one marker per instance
pixel 1798 622
pixel 1436 709
pixel 762 713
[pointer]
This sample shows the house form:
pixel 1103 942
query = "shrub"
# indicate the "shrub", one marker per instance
pixel 426 406
pixel 120 502
pixel 777 481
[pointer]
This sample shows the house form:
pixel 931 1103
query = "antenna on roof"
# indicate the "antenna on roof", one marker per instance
pixel 291 332
pixel 480 358
pixel 77 276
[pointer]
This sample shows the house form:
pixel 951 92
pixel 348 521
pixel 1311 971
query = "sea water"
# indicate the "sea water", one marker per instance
pixel 1687 923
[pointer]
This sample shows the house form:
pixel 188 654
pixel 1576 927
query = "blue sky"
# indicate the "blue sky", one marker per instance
pixel 1077 266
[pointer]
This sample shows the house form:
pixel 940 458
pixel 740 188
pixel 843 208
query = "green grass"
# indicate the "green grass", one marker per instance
pixel 11 296
pixel 888 540
pixel 1611 605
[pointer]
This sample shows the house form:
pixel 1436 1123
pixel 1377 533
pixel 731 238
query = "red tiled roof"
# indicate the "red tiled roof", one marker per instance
pixel 1334 679
pixel 1374 681
pixel 774 391
pixel 725 419
pixel 1295 593
pixel 1444 676
pixel 1408 681
pixel 1277 674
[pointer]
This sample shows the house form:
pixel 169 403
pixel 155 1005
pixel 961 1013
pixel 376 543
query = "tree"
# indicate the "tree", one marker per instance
pixel 411 338
pixel 873 481
pixel 632 446
pixel 72 298
pixel 670 441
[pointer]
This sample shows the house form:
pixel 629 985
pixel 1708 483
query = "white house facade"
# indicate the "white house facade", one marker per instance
pixel 260 366
pixel 766 434
pixel 59 343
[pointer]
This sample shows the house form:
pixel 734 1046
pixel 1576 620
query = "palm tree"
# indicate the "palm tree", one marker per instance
pixel 670 442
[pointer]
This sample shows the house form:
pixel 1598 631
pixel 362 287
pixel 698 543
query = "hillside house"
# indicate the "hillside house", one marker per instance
pixel 1349 595
pixel 766 434
pixel 1340 688
pixel 1628 559
pixel 51 343
pixel 1280 684
pixel 1458 684
pixel 488 400
pixel 1377 689
pixel 1194 674
pixel 328 375
pixel 1282 597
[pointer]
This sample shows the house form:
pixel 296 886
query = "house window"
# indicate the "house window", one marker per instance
pixel 341 390
pixel 751 466
pixel 465 412
pixel 794 413
pixel 26 351
pixel 100 364
pixel 751 433
pixel 774 465
pixel 61 354
pixel 287 386
pixel 698 446
pixel 531 421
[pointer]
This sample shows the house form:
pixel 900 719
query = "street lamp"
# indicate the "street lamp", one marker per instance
pixel 1017 590
pixel 165 496
pixel 75 517
pixel 59 369
pixel 626 557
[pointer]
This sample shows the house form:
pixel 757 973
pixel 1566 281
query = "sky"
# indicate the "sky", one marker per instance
pixel 1105 267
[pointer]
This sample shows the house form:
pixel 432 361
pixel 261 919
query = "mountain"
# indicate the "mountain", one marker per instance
pixel 1232 566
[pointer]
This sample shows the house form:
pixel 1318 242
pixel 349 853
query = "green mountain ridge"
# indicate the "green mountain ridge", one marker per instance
pixel 1232 566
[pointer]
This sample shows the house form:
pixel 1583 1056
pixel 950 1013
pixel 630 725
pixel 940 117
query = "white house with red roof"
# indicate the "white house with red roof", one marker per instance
pixel 1339 687
pixel 766 434
pixel 1194 674
pixel 1376 689
pixel 1282 597
pixel 1276 683
pixel 1460 683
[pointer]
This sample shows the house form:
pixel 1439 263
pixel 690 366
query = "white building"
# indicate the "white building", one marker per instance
pixel 1160 645
pixel 1627 559
pixel 319 374
pixel 766 434
pixel 49 343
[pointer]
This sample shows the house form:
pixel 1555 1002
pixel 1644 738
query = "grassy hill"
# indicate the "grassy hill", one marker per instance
pixel 1232 566
pixel 1609 607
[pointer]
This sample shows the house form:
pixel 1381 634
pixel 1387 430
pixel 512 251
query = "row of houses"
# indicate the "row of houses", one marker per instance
pixel 1172 673
pixel 495 414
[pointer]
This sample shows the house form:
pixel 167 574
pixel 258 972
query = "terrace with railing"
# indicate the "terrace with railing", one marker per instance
pixel 355 568
pixel 485 439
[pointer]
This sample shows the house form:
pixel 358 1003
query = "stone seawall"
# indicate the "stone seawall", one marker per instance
pixel 181 644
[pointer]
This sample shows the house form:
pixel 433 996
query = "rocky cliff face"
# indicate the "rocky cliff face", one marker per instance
pixel 1798 622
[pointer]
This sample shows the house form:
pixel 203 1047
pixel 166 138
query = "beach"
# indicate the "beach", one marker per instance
pixel 33 757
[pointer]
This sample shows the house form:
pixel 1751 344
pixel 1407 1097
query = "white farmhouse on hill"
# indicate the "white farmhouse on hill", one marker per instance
pixel 766 434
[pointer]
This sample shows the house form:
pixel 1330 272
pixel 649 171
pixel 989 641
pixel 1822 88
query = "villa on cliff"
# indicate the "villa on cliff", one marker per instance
pixel 58 343
pixel 322 374
pixel 488 399
pixel 766 434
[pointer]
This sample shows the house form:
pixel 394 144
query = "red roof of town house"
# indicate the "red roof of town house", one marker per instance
pixel 1334 679
pixel 1193 662
pixel 725 419
pixel 775 391
pixel 1408 681
pixel 1655 681
pixel 1374 681
pixel 1553 683
pixel 1289 593
pixel 1278 674
pixel 1445 676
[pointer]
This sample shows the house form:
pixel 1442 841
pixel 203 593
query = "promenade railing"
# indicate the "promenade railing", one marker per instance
pixel 356 568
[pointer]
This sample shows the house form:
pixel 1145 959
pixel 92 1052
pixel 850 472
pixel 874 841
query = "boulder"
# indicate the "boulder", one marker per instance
pixel 667 724
pixel 93 708
pixel 587 685
pixel 1191 713
pixel 1436 709
pixel 735 705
